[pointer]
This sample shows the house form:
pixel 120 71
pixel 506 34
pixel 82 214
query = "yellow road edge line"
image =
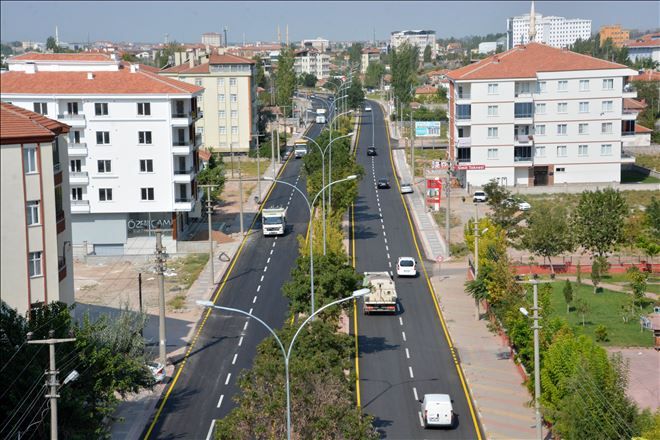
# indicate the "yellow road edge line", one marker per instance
pixel 355 321
pixel 357 363
pixel 215 298
pixel 432 290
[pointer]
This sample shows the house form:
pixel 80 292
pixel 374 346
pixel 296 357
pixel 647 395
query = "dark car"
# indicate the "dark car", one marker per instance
pixel 383 183
pixel 371 151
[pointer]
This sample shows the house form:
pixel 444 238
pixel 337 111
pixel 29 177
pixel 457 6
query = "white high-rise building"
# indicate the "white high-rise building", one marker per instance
pixel 312 61
pixel 551 30
pixel 536 115
pixel 132 151
pixel 419 38
pixel 212 39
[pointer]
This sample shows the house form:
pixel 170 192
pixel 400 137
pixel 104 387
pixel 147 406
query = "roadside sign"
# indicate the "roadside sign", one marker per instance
pixel 427 128
pixel 434 183
pixel 439 258
pixel 470 167
pixel 440 164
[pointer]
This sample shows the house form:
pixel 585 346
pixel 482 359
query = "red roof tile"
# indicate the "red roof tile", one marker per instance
pixel 426 90
pixel 647 75
pixel 633 104
pixel 642 129
pixel 228 59
pixel 79 56
pixel 18 124
pixel 203 154
pixel 106 83
pixel 525 61
pixel 648 40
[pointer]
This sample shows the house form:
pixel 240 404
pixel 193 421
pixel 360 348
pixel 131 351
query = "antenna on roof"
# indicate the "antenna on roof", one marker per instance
pixel 532 24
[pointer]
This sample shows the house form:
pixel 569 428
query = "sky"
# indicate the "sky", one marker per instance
pixel 185 21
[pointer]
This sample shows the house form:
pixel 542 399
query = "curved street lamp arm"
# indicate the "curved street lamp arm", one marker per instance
pixel 294 187
pixel 328 185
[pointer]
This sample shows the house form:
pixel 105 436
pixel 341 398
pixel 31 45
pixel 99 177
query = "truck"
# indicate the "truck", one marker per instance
pixel 273 221
pixel 300 148
pixel 320 116
pixel 382 296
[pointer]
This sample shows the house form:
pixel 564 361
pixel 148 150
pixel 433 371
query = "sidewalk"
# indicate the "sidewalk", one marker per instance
pixel 133 413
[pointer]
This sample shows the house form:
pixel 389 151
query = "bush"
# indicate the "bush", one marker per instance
pixel 458 249
pixel 601 333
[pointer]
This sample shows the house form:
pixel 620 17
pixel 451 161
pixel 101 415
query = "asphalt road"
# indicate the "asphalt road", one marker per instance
pixel 204 389
pixel 402 356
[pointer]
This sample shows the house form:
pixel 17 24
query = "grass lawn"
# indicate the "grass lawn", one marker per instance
pixel 605 309
pixel 629 176
pixel 188 268
pixel 248 167
pixel 650 161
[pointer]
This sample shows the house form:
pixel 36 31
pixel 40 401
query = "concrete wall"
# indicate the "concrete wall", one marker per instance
pixel 99 228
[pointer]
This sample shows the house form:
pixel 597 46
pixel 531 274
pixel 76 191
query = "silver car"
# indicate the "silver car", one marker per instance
pixel 406 188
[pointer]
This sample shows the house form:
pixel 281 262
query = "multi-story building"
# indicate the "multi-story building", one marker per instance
pixel 317 43
pixel 537 115
pixel 312 61
pixel 35 223
pixel 132 146
pixel 551 30
pixel 614 33
pixel 418 38
pixel 646 46
pixel 369 55
pixel 212 39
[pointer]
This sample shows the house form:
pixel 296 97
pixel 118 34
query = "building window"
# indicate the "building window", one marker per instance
pixel 75 165
pixel 492 89
pixel 102 137
pixel 560 170
pixel 523 109
pixel 30 160
pixel 41 108
pixel 234 97
pixel 101 109
pixel 146 166
pixel 105 194
pixel 34 264
pixel 541 87
pixel 221 82
pixel 492 153
pixel 72 108
pixel 540 108
pixel 584 85
pixel 104 166
pixel 562 86
pixel 539 130
pixel 583 150
pixel 607 107
pixel 76 193
pixel 463 111
pixel 583 129
pixel 147 193
pixel 234 114
pixel 606 150
pixel 539 151
pixel 234 129
pixel 562 107
pixel 144 108
pixel 561 151
pixel 223 131
pixel 492 132
pixel 198 82
pixel 561 129
pixel 584 107
pixel 222 114
pixel 32 212
pixel 606 128
pixel 608 84
pixel 232 81
pixel 221 97
pixel 144 137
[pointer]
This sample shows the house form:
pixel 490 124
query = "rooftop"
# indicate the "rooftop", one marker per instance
pixel 17 123
pixel 648 40
pixel 79 56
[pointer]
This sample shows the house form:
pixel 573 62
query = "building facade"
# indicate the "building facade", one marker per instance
pixel 229 110
pixel 418 38
pixel 312 61
pixel 646 46
pixel 554 31
pixel 369 55
pixel 615 33
pixel 318 43
pixel 537 115
pixel 212 39
pixel 132 146
pixel 36 265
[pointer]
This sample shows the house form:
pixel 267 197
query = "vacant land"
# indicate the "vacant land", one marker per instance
pixel 635 199
pixel 650 161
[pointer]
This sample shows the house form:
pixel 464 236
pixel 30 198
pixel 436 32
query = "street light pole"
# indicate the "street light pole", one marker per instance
pixel 330 159
pixel 209 213
pixel 537 366
pixel 286 353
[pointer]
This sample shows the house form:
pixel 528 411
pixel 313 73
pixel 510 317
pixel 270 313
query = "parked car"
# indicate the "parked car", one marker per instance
pixel 367 109
pixel 437 410
pixel 157 370
pixel 518 203
pixel 383 183
pixel 479 196
pixel 371 151
pixel 406 188
pixel 406 267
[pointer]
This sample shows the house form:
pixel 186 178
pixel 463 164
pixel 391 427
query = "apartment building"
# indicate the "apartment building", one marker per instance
pixel 369 55
pixel 646 46
pixel 132 157
pixel 537 115
pixel 419 38
pixel 552 30
pixel 35 222
pixel 212 39
pixel 229 108
pixel 312 61
pixel 318 43
pixel 615 33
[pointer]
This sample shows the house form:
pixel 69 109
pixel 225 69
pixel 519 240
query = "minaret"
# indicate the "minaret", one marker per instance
pixel 57 37
pixel 279 35
pixel 532 24
pixel 287 34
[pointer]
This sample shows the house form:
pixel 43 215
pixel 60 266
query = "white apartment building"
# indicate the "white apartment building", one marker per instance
pixel 312 61
pixel 537 115
pixel 229 108
pixel 132 147
pixel 552 30
pixel 318 43
pixel 369 55
pixel 35 221
pixel 419 38
pixel 212 39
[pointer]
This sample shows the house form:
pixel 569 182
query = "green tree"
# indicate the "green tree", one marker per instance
pixel 568 295
pixel 596 232
pixel 130 57
pixel 548 231
pixel 502 214
pixel 596 272
pixel 653 215
pixel 213 174
pixel 648 91
pixel 374 74
pixel 51 44
pixel 478 291
pixel 355 93
pixel 583 308
pixel 601 333
pixel 285 80
pixel 259 73
pixel 427 54
pixel 404 66
pixel 638 284
pixel 166 55
pixel 308 80
pixel 355 53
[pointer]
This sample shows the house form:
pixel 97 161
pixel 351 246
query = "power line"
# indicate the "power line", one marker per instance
pixel 20 374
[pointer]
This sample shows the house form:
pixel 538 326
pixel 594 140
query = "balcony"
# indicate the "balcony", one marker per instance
pixel 181 119
pixel 523 139
pixel 79 178
pixel 79 206
pixel 519 159
pixel 464 142
pixel 629 91
pixel 181 148
pixel 183 176
pixel 629 115
pixel 79 149
pixel 75 121
pixel 183 204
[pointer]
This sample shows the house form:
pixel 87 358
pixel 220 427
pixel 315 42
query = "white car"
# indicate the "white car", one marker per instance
pixel 479 196
pixel 437 410
pixel 518 203
pixel 367 109
pixel 406 188
pixel 524 206
pixel 406 267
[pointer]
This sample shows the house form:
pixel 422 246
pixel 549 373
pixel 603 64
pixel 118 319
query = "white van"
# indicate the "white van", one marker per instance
pixel 437 410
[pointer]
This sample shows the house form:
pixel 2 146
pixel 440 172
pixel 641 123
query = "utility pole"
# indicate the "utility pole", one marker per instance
pixel 231 158
pixel 412 147
pixel 52 383
pixel 240 193
pixel 476 251
pixel 209 207
pixel 258 170
pixel 272 151
pixel 537 375
pixel 160 269
pixel 448 213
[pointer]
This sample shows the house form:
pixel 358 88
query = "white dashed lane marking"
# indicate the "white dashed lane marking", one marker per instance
pixel 404 336
pixel 265 268
pixel 258 287
pixel 268 261
pixel 233 361
pixel 415 394
pixel 220 401
pixel 254 300
pixel 240 341
pixel 262 279
pixel 250 312
pixel 407 354
pixel 411 372
pixel 228 377
pixel 401 322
